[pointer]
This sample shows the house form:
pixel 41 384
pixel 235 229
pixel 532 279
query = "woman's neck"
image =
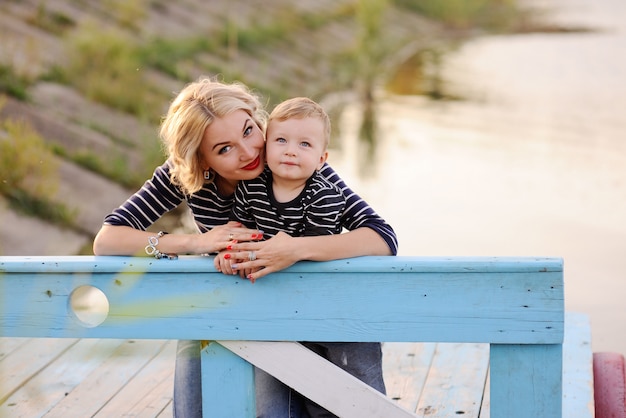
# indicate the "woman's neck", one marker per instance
pixel 225 187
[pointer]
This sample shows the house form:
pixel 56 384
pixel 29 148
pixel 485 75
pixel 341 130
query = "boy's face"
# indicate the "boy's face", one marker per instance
pixel 295 148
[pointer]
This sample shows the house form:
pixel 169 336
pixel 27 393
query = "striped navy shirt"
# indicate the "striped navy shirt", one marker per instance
pixel 209 208
pixel 316 210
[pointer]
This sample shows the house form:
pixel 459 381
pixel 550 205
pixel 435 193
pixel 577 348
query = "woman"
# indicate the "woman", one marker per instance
pixel 213 135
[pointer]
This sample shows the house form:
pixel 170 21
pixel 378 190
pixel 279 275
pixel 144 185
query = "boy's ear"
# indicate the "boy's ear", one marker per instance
pixel 323 158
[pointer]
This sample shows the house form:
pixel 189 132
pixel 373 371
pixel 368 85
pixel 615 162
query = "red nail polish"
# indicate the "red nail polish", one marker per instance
pixel 227 256
pixel 229 247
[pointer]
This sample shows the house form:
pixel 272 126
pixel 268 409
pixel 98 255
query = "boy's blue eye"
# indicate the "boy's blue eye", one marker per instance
pixel 305 144
pixel 281 140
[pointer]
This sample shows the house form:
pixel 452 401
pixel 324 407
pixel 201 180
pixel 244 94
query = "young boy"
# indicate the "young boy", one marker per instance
pixel 289 196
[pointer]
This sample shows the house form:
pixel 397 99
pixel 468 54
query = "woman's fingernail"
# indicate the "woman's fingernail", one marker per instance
pixel 227 256
pixel 229 247
pixel 252 280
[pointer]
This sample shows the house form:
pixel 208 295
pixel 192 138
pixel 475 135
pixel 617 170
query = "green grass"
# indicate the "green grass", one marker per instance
pixel 12 83
pixel 29 172
pixel 51 21
pixel 41 207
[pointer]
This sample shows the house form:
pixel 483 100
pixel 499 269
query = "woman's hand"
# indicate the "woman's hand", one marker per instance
pixel 263 258
pixel 282 250
pixel 222 263
pixel 223 236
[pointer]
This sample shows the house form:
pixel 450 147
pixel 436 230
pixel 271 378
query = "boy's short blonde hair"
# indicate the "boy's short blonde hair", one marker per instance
pixel 302 107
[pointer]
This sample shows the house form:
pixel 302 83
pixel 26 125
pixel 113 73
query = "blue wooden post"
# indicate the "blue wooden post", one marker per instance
pixel 227 384
pixel 526 380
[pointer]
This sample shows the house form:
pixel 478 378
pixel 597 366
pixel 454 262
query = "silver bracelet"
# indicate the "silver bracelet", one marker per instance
pixel 151 248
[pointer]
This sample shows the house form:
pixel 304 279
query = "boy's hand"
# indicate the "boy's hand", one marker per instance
pixel 223 262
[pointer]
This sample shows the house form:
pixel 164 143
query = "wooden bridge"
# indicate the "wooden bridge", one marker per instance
pixel 477 337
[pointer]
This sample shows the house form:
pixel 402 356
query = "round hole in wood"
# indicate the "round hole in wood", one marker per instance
pixel 89 305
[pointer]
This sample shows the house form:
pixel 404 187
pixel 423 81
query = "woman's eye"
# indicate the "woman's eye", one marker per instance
pixel 247 131
pixel 224 149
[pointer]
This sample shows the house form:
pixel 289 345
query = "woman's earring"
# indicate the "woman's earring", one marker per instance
pixel 208 175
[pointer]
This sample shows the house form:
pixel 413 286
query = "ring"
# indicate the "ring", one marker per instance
pixel 251 256
pixel 230 236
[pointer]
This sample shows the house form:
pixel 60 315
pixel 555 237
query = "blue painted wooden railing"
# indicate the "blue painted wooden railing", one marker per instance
pixel 515 304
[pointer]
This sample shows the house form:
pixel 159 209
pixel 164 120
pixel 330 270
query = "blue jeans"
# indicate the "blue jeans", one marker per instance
pixel 274 399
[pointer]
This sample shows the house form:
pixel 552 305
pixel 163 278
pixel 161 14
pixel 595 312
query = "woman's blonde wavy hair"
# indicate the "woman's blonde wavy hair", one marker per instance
pixel 189 115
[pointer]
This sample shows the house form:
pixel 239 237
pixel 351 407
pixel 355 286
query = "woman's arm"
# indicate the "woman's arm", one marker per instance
pixel 124 230
pixel 125 240
pixel 360 242
pixel 282 250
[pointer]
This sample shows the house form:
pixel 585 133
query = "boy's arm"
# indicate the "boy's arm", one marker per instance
pixel 323 212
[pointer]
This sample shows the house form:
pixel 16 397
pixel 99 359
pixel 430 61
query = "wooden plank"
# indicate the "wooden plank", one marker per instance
pixel 485 409
pixel 526 380
pixel 8 345
pixel 111 376
pixel 27 358
pixel 379 299
pixel 405 367
pixel 577 367
pixel 54 382
pixel 168 412
pixel 157 404
pixel 227 384
pixel 325 383
pixel 303 303
pixel 455 381
pixel 374 264
pixel 150 390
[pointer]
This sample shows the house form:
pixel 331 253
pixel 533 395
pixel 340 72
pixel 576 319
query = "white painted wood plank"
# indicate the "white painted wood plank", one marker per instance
pixel 485 409
pixel 317 379
pixel 455 382
pixel 577 367
pixel 405 367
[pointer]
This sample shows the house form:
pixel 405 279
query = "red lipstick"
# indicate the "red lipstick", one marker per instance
pixel 254 164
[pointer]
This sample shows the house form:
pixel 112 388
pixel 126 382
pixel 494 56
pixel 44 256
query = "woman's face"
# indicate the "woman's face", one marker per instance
pixel 234 147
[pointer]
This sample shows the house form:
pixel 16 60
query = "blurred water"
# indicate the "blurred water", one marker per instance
pixel 534 164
